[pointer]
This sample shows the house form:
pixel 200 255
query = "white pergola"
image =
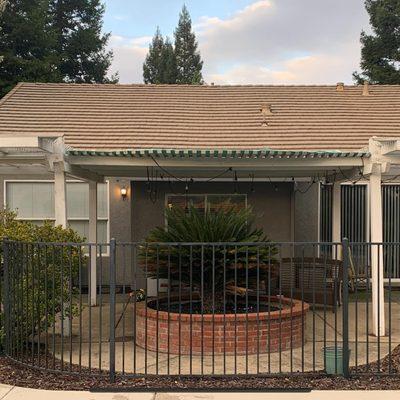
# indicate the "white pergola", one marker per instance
pixel 38 154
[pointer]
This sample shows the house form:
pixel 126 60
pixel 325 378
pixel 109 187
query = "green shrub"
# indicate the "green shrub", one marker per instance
pixel 207 268
pixel 41 277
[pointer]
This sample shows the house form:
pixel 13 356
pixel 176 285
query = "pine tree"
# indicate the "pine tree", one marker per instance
pixel 27 44
pixel 168 63
pixel 3 4
pixel 153 65
pixel 81 45
pixel 52 41
pixel 380 54
pixel 188 60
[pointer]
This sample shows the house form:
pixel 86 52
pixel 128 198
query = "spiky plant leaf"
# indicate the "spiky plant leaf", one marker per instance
pixel 212 251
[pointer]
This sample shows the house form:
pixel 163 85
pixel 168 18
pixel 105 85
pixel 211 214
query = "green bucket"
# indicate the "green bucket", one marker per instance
pixel 333 360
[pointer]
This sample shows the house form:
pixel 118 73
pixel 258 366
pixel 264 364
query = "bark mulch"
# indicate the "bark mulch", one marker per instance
pixel 13 373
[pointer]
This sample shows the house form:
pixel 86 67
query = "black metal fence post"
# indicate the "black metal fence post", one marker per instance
pixel 345 322
pixel 112 308
pixel 6 296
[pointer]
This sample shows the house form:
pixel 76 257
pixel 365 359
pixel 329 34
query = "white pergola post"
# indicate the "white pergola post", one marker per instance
pixel 336 218
pixel 60 211
pixel 376 224
pixel 60 196
pixel 93 240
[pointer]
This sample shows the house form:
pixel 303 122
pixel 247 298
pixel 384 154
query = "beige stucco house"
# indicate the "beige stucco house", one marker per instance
pixel 316 163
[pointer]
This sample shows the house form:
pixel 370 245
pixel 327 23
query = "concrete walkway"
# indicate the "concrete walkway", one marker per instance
pixel 18 393
pixel 321 328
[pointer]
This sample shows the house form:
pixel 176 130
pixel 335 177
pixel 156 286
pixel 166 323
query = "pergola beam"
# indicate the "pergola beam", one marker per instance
pixel 82 173
pixel 199 162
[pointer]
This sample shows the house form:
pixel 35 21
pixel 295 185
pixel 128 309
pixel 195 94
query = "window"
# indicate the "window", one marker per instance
pixel 34 201
pixel 209 202
pixel 391 229
pixel 325 218
pixel 353 224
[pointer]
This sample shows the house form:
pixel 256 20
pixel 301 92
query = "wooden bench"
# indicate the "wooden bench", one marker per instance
pixel 316 281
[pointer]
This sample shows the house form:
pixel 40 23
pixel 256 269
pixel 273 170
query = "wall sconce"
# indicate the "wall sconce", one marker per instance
pixel 124 193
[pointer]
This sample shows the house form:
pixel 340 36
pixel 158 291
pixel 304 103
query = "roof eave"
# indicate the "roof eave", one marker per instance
pixel 220 153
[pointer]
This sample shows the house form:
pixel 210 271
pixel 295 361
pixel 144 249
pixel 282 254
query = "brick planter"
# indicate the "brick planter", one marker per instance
pixel 183 333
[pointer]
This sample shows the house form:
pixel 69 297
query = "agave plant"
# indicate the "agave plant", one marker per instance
pixel 210 252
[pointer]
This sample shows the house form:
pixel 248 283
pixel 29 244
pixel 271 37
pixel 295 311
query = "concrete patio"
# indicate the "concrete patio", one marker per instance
pixel 324 326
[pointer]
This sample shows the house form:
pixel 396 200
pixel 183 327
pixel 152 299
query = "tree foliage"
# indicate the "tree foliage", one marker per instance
pixel 3 4
pixel 32 265
pixel 53 41
pixel 188 60
pixel 81 45
pixel 178 63
pixel 27 44
pixel 380 54
pixel 160 64
pixel 169 62
pixel 208 268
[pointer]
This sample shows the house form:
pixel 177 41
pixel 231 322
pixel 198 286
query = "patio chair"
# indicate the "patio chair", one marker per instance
pixel 313 280
pixel 356 277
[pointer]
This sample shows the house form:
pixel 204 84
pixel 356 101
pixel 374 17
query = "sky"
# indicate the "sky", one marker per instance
pixel 246 41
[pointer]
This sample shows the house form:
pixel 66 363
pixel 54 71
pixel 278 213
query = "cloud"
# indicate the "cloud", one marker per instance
pixel 284 41
pixel 324 68
pixel 129 55
pixel 269 41
pixel 121 17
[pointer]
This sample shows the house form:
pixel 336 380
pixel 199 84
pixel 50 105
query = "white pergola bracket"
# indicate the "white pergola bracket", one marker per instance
pixel 73 170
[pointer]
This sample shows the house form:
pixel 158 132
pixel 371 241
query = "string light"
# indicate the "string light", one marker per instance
pixel 153 190
pixel 235 182
pixel 252 190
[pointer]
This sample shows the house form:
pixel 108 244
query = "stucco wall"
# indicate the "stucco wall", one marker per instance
pixel 306 213
pixel 282 216
pixel 119 220
pixel 271 203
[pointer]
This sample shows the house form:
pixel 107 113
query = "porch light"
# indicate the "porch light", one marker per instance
pixel 124 192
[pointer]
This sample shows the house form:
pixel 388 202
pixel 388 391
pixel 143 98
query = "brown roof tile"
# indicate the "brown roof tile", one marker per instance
pixel 203 117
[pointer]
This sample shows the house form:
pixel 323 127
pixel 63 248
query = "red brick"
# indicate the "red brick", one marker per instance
pixel 209 334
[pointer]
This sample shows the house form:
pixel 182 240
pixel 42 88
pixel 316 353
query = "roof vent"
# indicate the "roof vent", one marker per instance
pixel 266 109
pixel 265 112
pixel 366 89
pixel 340 87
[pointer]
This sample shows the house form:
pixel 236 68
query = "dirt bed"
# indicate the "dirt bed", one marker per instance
pixel 12 373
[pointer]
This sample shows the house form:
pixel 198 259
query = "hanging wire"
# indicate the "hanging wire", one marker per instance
pixel 148 183
pixel 166 171
pixel 235 182
pixel 252 190
pixel 220 174
pixel 353 181
pixel 362 169
pixel 314 181
pixel 275 186
pixel 153 194
pixel 171 175
pixel 391 179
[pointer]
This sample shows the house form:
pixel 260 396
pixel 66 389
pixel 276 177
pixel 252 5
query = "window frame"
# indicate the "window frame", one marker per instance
pixel 7 181
pixel 205 195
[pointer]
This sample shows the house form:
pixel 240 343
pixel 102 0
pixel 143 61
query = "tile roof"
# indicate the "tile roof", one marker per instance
pixel 137 117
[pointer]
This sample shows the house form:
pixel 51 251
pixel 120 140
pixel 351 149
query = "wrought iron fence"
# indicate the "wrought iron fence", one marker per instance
pixel 200 308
